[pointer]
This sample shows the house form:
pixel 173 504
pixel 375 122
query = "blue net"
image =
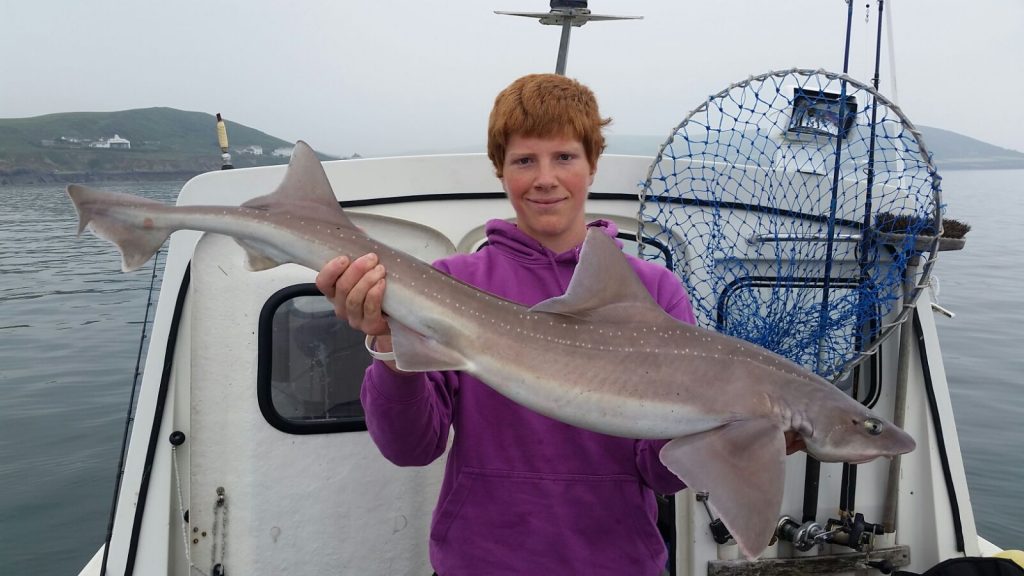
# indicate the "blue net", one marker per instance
pixel 802 211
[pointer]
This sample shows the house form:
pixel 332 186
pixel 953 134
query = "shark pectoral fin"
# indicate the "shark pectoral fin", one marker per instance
pixel 741 464
pixel 257 262
pixel 255 259
pixel 417 353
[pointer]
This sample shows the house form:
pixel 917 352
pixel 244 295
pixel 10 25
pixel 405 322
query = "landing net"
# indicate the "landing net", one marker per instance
pixel 802 211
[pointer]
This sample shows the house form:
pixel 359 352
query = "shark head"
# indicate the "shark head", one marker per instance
pixel 850 432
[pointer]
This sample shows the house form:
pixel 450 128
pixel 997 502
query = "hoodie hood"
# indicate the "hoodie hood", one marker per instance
pixel 507 238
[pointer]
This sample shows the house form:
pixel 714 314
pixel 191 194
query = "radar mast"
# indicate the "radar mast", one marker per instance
pixel 567 14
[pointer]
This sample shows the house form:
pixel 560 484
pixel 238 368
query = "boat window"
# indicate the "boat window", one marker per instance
pixel 654 251
pixel 784 314
pixel 311 365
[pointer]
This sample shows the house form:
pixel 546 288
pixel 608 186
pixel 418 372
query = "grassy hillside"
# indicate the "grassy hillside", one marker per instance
pixel 176 143
pixel 164 142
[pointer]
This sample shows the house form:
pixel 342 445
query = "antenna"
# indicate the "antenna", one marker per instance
pixel 567 14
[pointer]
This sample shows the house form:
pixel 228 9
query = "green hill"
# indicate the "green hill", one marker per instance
pixel 169 143
pixel 165 143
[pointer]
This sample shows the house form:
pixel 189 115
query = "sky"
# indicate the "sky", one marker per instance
pixel 380 77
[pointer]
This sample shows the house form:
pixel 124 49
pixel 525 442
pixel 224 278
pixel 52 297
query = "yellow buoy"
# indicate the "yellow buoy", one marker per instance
pixel 1015 555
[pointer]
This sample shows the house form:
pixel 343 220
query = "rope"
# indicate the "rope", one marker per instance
pixel 181 515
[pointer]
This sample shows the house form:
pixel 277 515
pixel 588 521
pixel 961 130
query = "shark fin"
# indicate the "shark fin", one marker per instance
pixel 137 243
pixel 417 353
pixel 604 287
pixel 741 464
pixel 257 262
pixel 304 192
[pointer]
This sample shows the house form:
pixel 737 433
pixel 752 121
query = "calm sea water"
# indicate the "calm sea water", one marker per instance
pixel 63 304
pixel 983 346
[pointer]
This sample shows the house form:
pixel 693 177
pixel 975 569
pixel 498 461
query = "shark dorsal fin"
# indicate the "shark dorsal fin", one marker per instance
pixel 604 287
pixel 304 190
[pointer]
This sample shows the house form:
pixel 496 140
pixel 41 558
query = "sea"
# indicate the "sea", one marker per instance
pixel 71 324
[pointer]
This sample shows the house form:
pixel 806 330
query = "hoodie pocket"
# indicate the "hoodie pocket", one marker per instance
pixel 606 520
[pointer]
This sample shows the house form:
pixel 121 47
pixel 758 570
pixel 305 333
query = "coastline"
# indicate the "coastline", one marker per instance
pixel 27 177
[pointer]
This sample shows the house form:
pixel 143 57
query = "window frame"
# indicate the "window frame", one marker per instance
pixel 264 370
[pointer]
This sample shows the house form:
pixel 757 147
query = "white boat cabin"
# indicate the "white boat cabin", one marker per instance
pixel 249 454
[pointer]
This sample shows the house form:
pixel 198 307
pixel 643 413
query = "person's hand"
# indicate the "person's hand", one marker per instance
pixel 794 442
pixel 356 289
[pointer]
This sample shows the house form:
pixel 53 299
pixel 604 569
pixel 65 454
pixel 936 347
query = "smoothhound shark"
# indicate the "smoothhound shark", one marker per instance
pixel 604 356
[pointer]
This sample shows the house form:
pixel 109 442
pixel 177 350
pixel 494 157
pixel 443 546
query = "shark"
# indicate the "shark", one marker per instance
pixel 603 356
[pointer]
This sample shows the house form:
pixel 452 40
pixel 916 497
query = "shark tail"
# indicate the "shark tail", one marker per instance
pixel 120 219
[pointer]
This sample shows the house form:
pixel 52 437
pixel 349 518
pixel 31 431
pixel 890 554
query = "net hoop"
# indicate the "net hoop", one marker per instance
pixel 803 212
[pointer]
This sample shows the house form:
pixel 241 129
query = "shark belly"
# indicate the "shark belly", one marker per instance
pixel 577 387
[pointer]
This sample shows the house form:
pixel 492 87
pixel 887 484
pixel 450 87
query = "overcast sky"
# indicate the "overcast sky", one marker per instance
pixel 384 77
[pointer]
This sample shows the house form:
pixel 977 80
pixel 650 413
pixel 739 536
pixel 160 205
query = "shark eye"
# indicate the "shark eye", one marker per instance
pixel 874 426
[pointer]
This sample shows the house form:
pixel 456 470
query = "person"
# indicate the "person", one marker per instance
pixel 522 493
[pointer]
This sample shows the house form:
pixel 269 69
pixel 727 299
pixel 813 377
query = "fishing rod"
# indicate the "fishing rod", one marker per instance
pixel 852 524
pixel 812 470
pixel 848 488
pixel 847 498
pixel 128 420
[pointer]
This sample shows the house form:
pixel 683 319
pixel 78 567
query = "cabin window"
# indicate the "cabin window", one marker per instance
pixel 783 315
pixel 311 365
pixel 654 251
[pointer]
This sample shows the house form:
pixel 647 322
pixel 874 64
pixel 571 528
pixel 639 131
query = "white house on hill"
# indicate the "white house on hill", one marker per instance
pixel 115 142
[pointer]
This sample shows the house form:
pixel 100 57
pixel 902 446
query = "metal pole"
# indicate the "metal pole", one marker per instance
pixel 563 45
pixel 566 13
pixel 899 416
pixel 849 27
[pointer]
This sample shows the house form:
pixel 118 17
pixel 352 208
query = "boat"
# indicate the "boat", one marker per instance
pixel 248 452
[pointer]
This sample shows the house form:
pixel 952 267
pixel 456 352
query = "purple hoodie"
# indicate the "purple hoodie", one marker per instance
pixel 522 493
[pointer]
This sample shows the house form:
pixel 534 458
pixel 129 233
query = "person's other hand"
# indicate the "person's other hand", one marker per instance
pixel 356 289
